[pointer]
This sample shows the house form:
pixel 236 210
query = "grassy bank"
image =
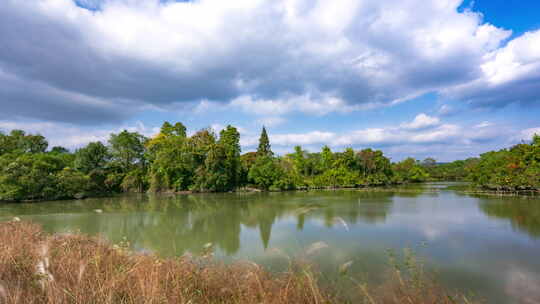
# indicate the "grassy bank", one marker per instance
pixel 36 267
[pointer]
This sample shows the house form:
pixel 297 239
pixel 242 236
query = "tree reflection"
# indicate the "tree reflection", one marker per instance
pixel 174 224
pixel 524 215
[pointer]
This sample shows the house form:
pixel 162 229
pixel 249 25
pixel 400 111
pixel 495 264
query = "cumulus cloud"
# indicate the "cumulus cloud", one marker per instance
pixel 444 140
pixel 420 133
pixel 36 99
pixel 71 136
pixel 510 74
pixel 271 121
pixel 320 105
pixel 527 134
pixel 310 56
pixel 421 121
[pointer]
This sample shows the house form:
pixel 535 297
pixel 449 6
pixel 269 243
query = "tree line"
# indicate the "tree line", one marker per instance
pixel 172 161
pixel 513 169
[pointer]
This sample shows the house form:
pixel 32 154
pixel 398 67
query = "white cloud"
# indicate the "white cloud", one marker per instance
pixel 446 141
pixel 365 137
pixel 527 134
pixel 217 127
pixel 421 121
pixel 321 105
pixel 263 58
pixel 260 55
pixel 305 103
pixel 483 124
pixel 519 59
pixel 439 134
pixel 70 136
pixel 510 74
pixel 271 121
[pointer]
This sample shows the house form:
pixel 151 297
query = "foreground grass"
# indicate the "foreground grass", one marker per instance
pixel 36 267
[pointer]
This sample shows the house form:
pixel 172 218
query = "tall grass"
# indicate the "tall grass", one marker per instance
pixel 36 267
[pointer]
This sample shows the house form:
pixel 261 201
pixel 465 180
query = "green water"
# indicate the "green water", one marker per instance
pixel 487 245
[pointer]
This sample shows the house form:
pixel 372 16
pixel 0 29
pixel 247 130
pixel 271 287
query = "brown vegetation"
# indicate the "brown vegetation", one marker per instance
pixel 39 268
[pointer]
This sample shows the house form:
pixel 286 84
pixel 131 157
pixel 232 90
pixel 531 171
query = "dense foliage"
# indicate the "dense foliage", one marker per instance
pixel 458 170
pixel 172 161
pixel 514 169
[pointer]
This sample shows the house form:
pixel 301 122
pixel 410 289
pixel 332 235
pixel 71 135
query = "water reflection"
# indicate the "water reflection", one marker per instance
pixel 523 214
pixel 487 244
pixel 173 225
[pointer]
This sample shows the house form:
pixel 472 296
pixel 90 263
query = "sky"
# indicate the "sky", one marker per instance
pixel 447 79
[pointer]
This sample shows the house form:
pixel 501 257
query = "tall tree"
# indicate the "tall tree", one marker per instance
pixel 177 130
pixel 327 158
pixel 94 156
pixel 229 138
pixel 346 159
pixel 35 143
pixel 127 149
pixel 214 174
pixel 429 162
pixel 299 160
pixel 19 141
pixel 200 144
pixel 264 148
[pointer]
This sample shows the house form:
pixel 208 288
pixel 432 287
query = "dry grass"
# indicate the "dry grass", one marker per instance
pixel 39 268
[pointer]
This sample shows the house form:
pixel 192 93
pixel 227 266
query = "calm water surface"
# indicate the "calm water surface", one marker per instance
pixel 487 245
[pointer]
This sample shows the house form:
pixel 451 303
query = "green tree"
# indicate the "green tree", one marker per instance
pixel 247 160
pixel 536 140
pixel 513 169
pixel 177 130
pixel 59 150
pixel 19 142
pixel 35 144
pixel 264 148
pixel 95 156
pixel 346 159
pixel 229 139
pixel 39 176
pixel 409 170
pixel 299 160
pixel 127 149
pixel 374 167
pixel 134 181
pixel 429 162
pixel 327 158
pixel 265 172
pixel 214 175
pixel 72 184
pixel 172 163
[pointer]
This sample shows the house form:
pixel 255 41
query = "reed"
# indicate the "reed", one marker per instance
pixel 36 267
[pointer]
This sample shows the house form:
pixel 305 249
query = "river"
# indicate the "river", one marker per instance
pixel 488 245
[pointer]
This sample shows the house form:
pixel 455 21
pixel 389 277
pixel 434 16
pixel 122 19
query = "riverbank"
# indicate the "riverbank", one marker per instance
pixel 398 188
pixel 186 192
pixel 36 267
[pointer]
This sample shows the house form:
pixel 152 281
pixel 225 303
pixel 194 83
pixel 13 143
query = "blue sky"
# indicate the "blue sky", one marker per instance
pixel 518 15
pixel 448 79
